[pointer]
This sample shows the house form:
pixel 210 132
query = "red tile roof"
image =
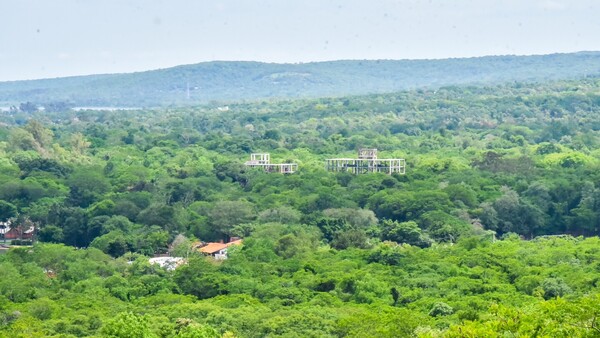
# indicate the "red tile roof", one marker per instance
pixel 211 248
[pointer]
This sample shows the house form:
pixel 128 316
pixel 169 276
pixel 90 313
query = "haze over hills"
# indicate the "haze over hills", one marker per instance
pixel 232 80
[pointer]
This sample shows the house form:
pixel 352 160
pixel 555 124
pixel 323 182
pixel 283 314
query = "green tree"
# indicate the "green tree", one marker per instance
pixel 404 232
pixel 128 325
pixel 443 227
pixel 87 186
pixel 359 218
pixel 515 215
pixel 7 211
pixel 555 287
pixel 225 215
pixel 42 136
pixel 113 243
pixel 28 107
pixel 79 143
pixel 441 309
pixel 199 278
pixel 51 234
pixel 351 238
pixel 282 214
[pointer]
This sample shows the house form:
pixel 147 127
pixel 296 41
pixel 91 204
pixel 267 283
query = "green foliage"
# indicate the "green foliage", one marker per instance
pixel 7 210
pixel 353 238
pixel 555 287
pixel 196 279
pixel 113 243
pixel 441 309
pixel 127 325
pixel 51 233
pixel 388 254
pixel 331 227
pixel 443 227
pixel 405 232
pixel 515 286
pixel 483 235
pixel 227 214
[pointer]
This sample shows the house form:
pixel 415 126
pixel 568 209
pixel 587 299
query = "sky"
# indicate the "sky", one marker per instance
pixel 47 39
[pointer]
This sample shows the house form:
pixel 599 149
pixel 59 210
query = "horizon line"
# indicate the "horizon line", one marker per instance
pixel 299 63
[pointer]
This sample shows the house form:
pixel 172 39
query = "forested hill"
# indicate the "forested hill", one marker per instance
pixel 437 252
pixel 224 81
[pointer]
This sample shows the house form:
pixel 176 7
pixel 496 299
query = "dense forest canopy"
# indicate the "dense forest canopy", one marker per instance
pixel 235 81
pixel 492 231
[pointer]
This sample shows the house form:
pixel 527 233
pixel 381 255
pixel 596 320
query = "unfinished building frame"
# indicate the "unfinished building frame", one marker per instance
pixel 263 160
pixel 367 162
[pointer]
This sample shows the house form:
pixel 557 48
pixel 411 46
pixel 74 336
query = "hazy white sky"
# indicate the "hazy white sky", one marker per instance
pixel 43 38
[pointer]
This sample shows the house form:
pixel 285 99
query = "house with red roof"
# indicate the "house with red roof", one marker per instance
pixel 218 250
pixel 19 232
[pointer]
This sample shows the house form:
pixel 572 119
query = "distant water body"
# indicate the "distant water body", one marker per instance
pixel 105 108
pixel 89 108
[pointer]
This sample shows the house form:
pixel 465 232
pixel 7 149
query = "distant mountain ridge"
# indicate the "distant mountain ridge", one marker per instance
pixel 244 80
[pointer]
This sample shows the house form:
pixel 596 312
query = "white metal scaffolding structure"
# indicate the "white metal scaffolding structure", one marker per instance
pixel 263 160
pixel 367 162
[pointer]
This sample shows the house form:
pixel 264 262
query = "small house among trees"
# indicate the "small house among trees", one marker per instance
pixel 218 250
pixel 19 232
pixel 169 263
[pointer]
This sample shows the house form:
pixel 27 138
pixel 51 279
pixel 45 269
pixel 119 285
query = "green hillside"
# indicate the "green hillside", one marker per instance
pixel 492 232
pixel 227 81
